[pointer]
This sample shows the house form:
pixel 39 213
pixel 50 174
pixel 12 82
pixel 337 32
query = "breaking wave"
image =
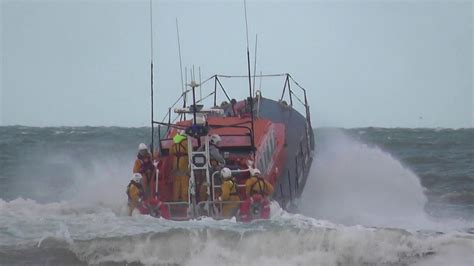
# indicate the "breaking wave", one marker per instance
pixel 68 233
pixel 359 184
pixel 269 247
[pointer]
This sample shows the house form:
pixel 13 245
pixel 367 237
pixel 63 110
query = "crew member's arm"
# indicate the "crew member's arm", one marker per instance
pixel 269 188
pixel 137 166
pixel 134 193
pixel 134 196
pixel 248 185
pixel 216 155
pixel 225 191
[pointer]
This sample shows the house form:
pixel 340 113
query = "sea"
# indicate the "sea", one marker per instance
pixel 374 196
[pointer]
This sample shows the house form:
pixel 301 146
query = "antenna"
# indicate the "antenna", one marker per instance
pixel 181 70
pixel 255 63
pixel 193 86
pixel 151 76
pixel 180 60
pixel 200 83
pixel 250 79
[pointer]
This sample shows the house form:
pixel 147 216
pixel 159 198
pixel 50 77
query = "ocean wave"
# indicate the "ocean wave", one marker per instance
pixel 273 246
pixel 460 197
pixel 68 232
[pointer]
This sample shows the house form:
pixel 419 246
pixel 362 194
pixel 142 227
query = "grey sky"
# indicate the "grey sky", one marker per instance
pixel 390 63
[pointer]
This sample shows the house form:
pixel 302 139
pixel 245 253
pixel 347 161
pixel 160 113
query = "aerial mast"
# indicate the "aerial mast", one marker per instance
pixel 255 64
pixel 249 75
pixel 151 76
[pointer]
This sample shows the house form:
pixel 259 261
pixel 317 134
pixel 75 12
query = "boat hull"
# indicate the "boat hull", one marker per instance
pixel 299 150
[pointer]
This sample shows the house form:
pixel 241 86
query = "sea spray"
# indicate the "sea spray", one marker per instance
pixel 354 183
pixel 103 183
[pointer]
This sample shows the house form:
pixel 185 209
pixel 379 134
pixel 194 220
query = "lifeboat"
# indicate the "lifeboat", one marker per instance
pixel 256 132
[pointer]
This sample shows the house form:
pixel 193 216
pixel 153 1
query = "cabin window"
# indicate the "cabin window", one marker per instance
pixel 262 164
pixel 272 142
pixel 263 161
pixel 267 157
pixel 267 150
pixel 268 153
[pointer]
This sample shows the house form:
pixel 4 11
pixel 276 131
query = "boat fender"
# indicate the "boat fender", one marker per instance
pixel 158 209
pixel 256 210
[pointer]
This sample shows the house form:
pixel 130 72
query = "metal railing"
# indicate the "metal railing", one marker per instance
pixel 214 186
pixel 181 211
pixel 181 208
pixel 214 208
pixel 218 84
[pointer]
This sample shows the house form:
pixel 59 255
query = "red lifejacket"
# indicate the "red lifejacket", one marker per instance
pixel 155 208
pixel 147 169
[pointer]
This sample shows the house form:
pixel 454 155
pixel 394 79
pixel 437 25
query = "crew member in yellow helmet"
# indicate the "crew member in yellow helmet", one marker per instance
pixel 134 192
pixel 229 194
pixel 257 185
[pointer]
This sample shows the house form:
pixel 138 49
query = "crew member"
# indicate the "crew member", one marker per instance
pixel 144 166
pixel 179 151
pixel 257 185
pixel 134 192
pixel 217 160
pixel 229 194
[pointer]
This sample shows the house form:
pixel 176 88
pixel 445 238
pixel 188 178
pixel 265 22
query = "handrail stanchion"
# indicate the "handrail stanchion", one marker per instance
pixel 289 186
pixel 215 90
pixel 289 90
pixel 284 89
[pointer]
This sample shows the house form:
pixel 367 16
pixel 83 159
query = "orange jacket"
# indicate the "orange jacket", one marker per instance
pixel 146 169
pixel 139 163
pixel 137 166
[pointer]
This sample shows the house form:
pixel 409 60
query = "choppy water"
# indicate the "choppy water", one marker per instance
pixel 374 197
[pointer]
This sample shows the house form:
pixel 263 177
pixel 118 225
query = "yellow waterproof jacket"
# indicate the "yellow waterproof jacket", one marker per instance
pixel 256 185
pixel 134 192
pixel 229 191
pixel 180 153
pixel 229 194
pixel 144 166
pixel 138 165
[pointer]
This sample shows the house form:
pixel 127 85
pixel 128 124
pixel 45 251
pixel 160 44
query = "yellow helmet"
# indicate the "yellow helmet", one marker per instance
pixel 179 137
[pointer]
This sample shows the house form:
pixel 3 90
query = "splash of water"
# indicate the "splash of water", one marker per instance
pixel 103 183
pixel 354 183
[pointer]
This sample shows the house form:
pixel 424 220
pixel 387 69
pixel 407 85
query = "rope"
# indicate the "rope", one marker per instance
pixel 246 76
pixel 297 98
pixel 209 95
pixel 297 84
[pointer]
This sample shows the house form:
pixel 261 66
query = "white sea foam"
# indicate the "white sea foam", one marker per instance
pixel 97 234
pixel 354 183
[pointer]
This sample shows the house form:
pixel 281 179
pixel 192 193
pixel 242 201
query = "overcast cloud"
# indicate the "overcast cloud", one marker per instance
pixel 390 63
